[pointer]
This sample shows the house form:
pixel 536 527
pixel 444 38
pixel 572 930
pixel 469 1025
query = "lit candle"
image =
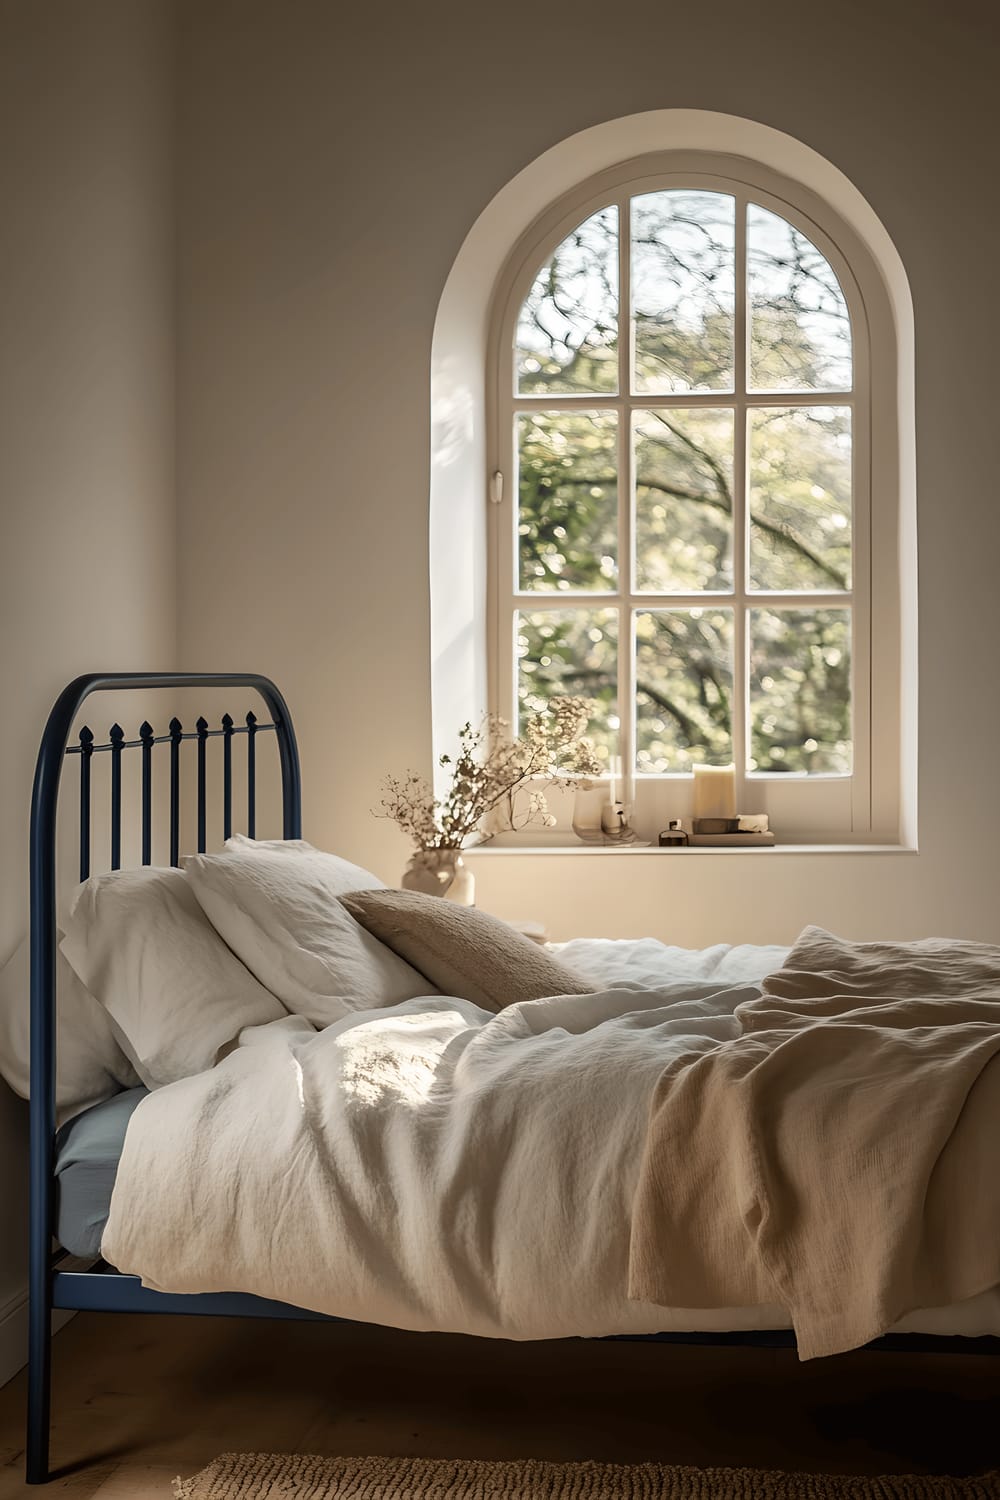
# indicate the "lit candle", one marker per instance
pixel 714 792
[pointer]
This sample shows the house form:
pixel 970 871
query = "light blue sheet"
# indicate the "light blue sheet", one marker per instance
pixel 88 1149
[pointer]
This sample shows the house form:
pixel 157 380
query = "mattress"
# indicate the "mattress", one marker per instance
pixel 88 1149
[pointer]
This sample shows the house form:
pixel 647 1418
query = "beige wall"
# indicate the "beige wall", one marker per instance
pixel 328 174
pixel 87 563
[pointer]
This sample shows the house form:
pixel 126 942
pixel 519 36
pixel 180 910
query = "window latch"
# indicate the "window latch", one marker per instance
pixel 496 488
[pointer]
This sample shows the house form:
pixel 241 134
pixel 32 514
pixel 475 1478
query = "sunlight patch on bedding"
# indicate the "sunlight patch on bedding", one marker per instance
pixel 393 1057
pixel 299 1083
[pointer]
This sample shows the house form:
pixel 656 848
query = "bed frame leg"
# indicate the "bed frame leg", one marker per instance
pixel 39 1386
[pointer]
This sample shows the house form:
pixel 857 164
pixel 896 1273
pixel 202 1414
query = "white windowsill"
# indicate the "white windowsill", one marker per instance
pixel 633 850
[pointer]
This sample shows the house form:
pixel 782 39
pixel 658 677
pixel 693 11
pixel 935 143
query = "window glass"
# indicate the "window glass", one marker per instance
pixel 567 466
pixel 567 334
pixel 800 682
pixel 571 652
pixel 800 498
pixel 683 467
pixel 684 688
pixel 683 292
pixel 800 328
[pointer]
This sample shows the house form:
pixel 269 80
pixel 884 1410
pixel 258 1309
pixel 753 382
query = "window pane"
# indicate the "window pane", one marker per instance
pixel 683 500
pixel 568 499
pixel 684 688
pixel 800 498
pixel 800 329
pixel 683 280
pixel 800 690
pixel 575 652
pixel 567 334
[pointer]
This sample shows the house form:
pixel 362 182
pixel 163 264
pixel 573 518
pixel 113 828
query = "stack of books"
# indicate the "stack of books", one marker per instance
pixel 749 831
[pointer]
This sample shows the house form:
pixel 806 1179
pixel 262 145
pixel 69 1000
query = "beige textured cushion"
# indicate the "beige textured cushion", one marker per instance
pixel 463 951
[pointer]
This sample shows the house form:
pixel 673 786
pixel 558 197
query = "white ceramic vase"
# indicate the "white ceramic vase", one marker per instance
pixel 441 872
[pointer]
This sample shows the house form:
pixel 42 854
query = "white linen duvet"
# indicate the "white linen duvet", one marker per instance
pixel 435 1166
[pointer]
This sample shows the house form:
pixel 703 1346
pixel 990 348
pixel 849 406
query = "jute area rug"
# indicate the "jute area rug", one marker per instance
pixel 291 1476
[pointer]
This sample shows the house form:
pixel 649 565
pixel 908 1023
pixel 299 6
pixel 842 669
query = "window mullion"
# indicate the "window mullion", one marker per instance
pixel 508 516
pixel 682 400
pixel 503 520
pixel 626 544
pixel 741 688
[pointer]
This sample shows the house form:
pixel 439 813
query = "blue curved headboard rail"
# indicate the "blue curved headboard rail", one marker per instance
pixel 52 754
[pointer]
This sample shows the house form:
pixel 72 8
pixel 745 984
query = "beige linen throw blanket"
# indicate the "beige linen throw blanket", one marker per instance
pixel 841 1157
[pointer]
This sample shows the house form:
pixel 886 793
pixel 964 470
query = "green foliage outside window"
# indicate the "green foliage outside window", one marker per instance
pixel 798 486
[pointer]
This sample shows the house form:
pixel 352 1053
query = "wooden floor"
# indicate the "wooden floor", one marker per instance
pixel 140 1399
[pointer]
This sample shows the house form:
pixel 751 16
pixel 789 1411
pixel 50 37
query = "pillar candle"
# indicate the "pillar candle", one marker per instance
pixel 714 792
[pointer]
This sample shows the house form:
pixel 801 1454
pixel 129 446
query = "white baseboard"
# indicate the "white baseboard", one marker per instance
pixel 14 1333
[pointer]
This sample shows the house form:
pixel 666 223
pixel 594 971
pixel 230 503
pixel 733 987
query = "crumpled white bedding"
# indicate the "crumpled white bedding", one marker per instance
pixel 434 1166
pixel 646 963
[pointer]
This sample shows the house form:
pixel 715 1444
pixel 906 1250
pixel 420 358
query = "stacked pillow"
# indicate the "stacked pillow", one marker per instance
pixel 160 970
pixel 91 1063
pixel 150 991
pixel 277 906
pixel 144 948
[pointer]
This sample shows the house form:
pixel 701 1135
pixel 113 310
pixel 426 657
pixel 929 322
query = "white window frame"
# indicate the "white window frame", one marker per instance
pixel 862 806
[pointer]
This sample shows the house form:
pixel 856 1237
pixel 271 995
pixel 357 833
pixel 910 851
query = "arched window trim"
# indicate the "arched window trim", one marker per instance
pixel 459 470
pixel 866 805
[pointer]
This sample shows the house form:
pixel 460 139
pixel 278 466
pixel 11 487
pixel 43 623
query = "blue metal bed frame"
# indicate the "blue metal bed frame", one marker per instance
pixel 101 1288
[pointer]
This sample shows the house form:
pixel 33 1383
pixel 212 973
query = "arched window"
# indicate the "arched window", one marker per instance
pixel 681 394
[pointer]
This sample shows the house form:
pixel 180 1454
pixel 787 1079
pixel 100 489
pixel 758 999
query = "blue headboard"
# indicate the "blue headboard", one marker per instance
pixel 52 754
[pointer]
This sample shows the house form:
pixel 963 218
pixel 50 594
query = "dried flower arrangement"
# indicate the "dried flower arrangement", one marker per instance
pixel 490 772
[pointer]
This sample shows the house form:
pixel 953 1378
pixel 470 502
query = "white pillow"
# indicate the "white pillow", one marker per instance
pixel 279 846
pixel 90 1064
pixel 277 908
pixel 143 947
pixel 337 872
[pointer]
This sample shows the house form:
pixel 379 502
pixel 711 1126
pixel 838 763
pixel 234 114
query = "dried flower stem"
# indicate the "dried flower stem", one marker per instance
pixel 489 771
